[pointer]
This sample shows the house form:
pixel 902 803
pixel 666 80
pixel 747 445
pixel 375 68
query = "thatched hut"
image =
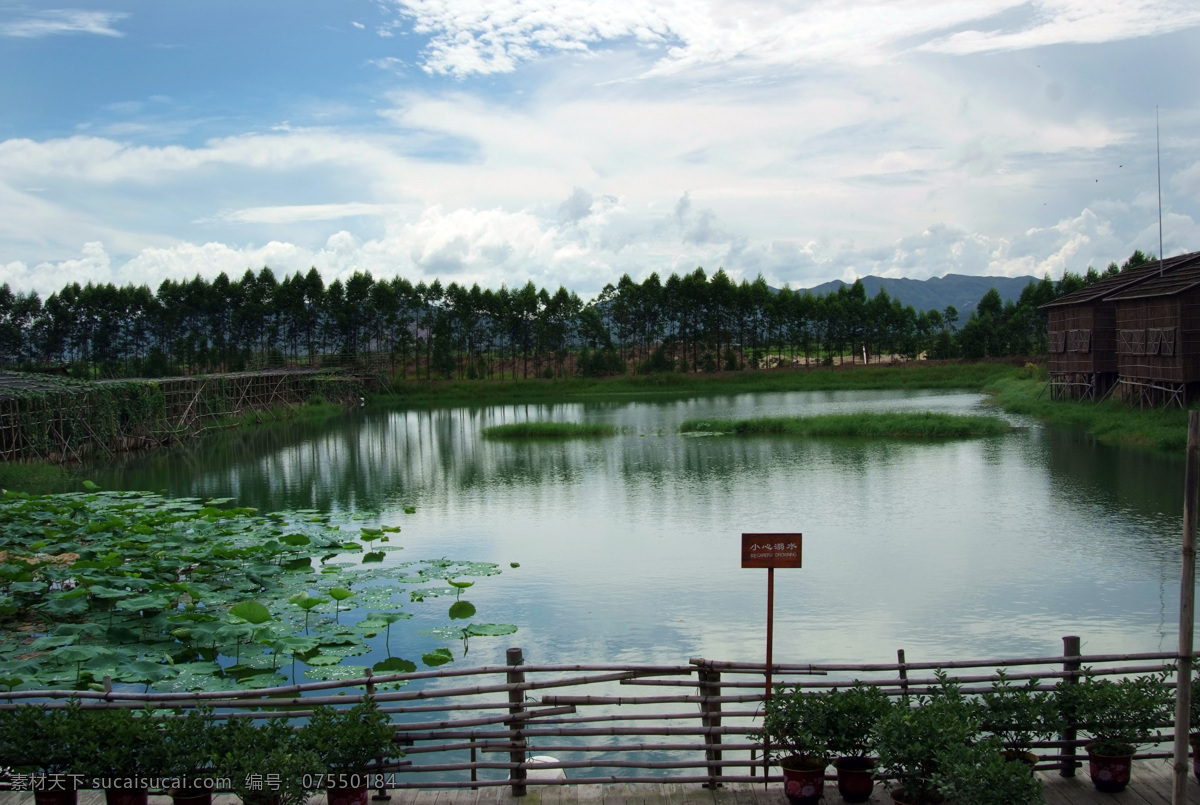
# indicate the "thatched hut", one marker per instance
pixel 1158 337
pixel 1082 329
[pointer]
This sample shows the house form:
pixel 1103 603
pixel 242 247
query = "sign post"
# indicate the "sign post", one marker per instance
pixel 770 551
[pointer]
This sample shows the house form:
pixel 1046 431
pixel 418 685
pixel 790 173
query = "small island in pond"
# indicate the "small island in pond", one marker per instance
pixel 886 425
pixel 549 430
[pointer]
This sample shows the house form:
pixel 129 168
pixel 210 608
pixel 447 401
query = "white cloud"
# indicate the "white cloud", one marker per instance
pixel 495 37
pixel 62 21
pixel 294 213
pixel 1055 22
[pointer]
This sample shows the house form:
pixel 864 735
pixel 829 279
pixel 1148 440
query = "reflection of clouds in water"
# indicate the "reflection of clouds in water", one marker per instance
pixel 628 545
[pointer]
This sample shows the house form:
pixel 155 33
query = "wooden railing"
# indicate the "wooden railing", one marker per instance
pixel 481 726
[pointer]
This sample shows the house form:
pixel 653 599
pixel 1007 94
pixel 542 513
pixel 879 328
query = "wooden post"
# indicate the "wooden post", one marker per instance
pixel 515 699
pixel 903 672
pixel 1187 613
pixel 381 795
pixel 1071 666
pixel 770 644
pixel 710 687
pixel 474 771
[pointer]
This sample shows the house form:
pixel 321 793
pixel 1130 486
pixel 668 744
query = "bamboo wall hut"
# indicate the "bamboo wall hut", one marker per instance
pixel 1082 329
pixel 1158 338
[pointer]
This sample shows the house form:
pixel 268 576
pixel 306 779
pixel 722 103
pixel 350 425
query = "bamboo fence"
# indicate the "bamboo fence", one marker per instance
pixel 66 421
pixel 491 725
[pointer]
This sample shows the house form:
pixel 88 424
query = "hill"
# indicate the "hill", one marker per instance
pixel 959 290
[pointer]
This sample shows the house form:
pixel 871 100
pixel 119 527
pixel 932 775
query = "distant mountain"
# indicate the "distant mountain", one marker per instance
pixel 959 290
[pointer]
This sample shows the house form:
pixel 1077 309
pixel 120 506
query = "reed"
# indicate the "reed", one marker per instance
pixel 1110 421
pixel 549 430
pixel 866 424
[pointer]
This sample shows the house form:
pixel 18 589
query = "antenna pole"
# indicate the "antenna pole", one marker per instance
pixel 1158 157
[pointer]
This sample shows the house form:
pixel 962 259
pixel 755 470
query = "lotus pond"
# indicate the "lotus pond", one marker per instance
pixel 627 545
pixel 184 594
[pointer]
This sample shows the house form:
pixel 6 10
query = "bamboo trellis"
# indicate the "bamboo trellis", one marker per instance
pixel 481 726
pixel 67 421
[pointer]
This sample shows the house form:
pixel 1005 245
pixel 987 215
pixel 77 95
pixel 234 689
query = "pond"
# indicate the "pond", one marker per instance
pixel 628 546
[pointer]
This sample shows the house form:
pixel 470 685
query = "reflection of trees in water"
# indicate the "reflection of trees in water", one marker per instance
pixel 1143 482
pixel 372 459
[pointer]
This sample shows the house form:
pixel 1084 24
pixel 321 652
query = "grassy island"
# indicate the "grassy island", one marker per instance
pixel 549 430
pixel 888 425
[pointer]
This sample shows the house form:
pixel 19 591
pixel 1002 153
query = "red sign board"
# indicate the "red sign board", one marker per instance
pixel 771 550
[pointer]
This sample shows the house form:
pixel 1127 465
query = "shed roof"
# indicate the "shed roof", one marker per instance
pixel 1183 278
pixel 1128 281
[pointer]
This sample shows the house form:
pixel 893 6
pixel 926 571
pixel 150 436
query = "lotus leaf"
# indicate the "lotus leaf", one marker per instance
pixel 439 656
pixel 251 612
pixel 490 629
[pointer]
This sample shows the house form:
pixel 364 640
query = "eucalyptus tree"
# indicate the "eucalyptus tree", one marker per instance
pixel 406 317
pixel 720 302
pixel 384 301
pixel 525 307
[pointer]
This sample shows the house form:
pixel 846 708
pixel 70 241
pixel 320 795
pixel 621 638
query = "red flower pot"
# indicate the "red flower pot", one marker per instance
pixel 191 796
pixel 1110 773
pixel 125 796
pixel 855 778
pixel 348 796
pixel 55 796
pixel 803 779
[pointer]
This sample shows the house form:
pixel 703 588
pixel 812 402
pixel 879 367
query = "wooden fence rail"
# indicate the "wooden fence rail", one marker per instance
pixel 488 732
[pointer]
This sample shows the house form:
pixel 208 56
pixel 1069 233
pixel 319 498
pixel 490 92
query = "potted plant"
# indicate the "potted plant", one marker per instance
pixel 122 749
pixel 343 743
pixel 797 723
pixel 853 714
pixel 184 754
pixel 1017 716
pixel 48 743
pixel 979 774
pixel 1118 716
pixel 913 736
pixel 266 765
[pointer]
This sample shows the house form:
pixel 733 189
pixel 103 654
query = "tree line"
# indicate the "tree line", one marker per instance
pixel 693 322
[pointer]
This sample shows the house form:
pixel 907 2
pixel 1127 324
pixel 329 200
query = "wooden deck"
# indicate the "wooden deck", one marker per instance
pixel 1151 785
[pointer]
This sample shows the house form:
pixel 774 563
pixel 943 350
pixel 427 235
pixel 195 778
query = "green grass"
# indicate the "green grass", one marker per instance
pixel 870 425
pixel 913 375
pixel 315 409
pixel 1110 421
pixel 37 477
pixel 548 430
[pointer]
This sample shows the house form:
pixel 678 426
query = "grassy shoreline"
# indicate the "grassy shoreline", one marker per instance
pixel 1013 386
pixel 912 376
pixel 864 425
pixel 1110 421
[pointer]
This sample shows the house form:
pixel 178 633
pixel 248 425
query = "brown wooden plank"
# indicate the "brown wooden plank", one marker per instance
pixel 623 794
pixel 723 796
pixel 591 794
pixel 1077 790
pixel 496 795
pixel 451 796
pixel 544 794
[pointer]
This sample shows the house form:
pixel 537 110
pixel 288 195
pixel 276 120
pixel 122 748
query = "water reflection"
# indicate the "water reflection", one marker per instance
pixel 628 544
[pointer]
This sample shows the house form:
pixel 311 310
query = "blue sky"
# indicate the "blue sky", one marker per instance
pixel 571 142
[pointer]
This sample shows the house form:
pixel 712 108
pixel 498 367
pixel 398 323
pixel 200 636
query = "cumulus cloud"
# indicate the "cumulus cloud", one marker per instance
pixel 493 247
pixel 51 22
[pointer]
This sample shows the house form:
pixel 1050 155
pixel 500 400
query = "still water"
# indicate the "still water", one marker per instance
pixel 629 546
